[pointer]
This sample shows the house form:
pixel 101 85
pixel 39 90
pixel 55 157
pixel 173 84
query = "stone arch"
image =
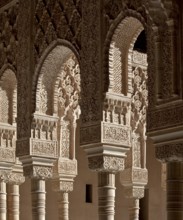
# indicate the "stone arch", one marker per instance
pixel 129 79
pixel 8 95
pixel 57 95
pixel 60 48
pixel 116 31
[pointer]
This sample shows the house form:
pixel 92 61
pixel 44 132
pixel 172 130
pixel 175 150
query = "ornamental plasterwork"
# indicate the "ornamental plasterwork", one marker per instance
pixel 8 86
pixel 106 163
pixel 135 172
pixel 64 186
pixel 38 171
pixel 66 106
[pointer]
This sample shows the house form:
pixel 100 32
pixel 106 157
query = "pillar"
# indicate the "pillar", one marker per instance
pixel 3 199
pixel 134 209
pixel 13 202
pixel 63 205
pixel 38 199
pixel 106 195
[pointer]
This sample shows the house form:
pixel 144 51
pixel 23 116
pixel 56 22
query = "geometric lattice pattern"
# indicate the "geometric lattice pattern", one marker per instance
pixel 57 19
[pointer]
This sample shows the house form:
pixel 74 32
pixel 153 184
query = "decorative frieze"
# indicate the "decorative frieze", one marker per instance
pixel 44 148
pixel 7 143
pixel 65 167
pixel 115 134
pixel 7 155
pixel 169 152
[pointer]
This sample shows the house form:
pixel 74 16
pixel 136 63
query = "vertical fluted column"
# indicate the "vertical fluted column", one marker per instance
pixel 175 190
pixel 13 202
pixel 106 195
pixel 38 199
pixel 134 209
pixel 63 205
pixel 3 199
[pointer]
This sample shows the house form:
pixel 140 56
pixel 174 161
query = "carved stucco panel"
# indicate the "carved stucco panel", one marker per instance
pixel 106 163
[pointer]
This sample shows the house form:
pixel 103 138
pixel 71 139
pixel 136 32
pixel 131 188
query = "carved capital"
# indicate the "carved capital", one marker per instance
pixel 170 152
pixel 134 192
pixel 106 163
pixel 38 172
pixel 62 185
pixel 16 178
pixel 4 175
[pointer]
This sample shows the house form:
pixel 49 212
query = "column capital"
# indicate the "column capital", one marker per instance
pixel 134 192
pixel 38 172
pixel 106 163
pixel 4 175
pixel 16 178
pixel 63 186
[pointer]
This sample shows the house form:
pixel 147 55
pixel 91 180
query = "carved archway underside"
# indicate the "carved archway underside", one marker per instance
pixel 121 44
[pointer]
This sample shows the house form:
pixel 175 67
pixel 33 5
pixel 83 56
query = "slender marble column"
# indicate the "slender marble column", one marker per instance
pixel 63 206
pixel 38 199
pixel 3 198
pixel 175 191
pixel 134 210
pixel 106 195
pixel 13 202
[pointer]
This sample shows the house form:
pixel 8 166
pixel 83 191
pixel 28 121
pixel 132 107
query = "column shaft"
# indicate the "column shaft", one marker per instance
pixel 106 195
pixel 3 199
pixel 174 191
pixel 13 202
pixel 134 210
pixel 63 206
pixel 38 199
